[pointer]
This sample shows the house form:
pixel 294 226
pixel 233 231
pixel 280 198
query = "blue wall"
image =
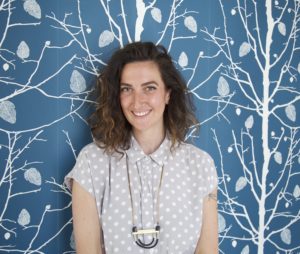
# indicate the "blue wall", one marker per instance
pixel 241 62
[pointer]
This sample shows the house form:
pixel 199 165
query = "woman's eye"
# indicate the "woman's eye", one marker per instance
pixel 150 88
pixel 124 89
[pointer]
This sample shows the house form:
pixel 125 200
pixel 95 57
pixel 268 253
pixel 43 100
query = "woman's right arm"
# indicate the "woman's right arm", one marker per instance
pixel 87 230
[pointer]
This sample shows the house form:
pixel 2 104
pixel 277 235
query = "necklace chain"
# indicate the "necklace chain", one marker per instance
pixel 142 232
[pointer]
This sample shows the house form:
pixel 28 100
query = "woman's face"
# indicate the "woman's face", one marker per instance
pixel 143 97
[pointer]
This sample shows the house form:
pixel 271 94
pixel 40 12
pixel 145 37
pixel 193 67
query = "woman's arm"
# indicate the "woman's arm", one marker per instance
pixel 208 242
pixel 87 230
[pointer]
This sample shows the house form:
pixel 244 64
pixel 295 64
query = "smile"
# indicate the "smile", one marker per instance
pixel 141 113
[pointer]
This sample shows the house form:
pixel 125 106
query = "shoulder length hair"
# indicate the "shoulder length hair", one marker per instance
pixel 109 127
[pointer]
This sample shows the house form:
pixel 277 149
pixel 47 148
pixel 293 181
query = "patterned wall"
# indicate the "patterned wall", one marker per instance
pixel 241 62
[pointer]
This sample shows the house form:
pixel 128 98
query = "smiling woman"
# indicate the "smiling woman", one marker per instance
pixel 143 100
pixel 143 189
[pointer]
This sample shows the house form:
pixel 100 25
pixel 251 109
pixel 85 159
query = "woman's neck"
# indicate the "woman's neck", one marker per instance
pixel 149 142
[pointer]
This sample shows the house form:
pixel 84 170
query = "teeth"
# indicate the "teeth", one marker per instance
pixel 141 113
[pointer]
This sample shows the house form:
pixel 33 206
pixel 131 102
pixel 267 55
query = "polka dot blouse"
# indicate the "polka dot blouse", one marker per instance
pixel 189 175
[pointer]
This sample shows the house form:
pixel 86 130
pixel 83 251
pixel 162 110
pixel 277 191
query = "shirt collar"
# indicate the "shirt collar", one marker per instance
pixel 160 155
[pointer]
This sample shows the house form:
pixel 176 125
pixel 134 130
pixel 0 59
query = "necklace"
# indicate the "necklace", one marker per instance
pixel 139 233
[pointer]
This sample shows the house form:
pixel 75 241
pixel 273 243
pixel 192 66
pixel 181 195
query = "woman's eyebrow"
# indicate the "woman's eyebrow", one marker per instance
pixel 152 82
pixel 125 84
pixel 143 84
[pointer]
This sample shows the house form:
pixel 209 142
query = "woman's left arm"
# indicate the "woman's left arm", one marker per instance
pixel 208 242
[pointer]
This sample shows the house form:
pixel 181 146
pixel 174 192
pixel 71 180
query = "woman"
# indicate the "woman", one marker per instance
pixel 139 188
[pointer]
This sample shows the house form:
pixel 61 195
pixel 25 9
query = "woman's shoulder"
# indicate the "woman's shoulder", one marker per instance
pixel 194 151
pixel 203 161
pixel 94 150
pixel 91 147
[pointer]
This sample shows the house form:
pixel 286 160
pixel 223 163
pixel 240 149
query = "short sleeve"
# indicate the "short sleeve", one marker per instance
pixel 82 170
pixel 209 177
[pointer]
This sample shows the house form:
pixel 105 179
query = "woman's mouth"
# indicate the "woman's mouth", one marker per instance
pixel 141 113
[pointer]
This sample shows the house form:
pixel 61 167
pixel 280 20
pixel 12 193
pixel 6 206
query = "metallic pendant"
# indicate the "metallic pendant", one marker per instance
pixel 143 232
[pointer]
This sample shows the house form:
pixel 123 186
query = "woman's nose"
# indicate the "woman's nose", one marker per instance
pixel 138 99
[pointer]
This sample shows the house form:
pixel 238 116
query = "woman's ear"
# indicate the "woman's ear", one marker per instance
pixel 168 95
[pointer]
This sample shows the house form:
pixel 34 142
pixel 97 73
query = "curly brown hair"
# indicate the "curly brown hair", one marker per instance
pixel 109 127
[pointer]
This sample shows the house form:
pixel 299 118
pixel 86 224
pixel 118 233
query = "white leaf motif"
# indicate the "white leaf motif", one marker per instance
pixel 5 66
pixel 245 250
pixel 106 38
pixel 249 122
pixel 156 14
pixel 223 87
pixel 298 67
pixel 183 60
pixel 244 49
pixel 77 82
pixel 278 157
pixel 6 235
pixel 286 236
pixel 8 111
pixel 32 8
pixel 24 217
pixel 240 184
pixel 234 243
pixel 191 24
pixel 221 223
pixel 296 192
pixel 23 50
pixel 72 241
pixel 33 176
pixel 282 28
pixel 290 112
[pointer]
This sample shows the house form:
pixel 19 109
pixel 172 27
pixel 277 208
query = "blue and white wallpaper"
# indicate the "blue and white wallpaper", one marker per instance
pixel 241 61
